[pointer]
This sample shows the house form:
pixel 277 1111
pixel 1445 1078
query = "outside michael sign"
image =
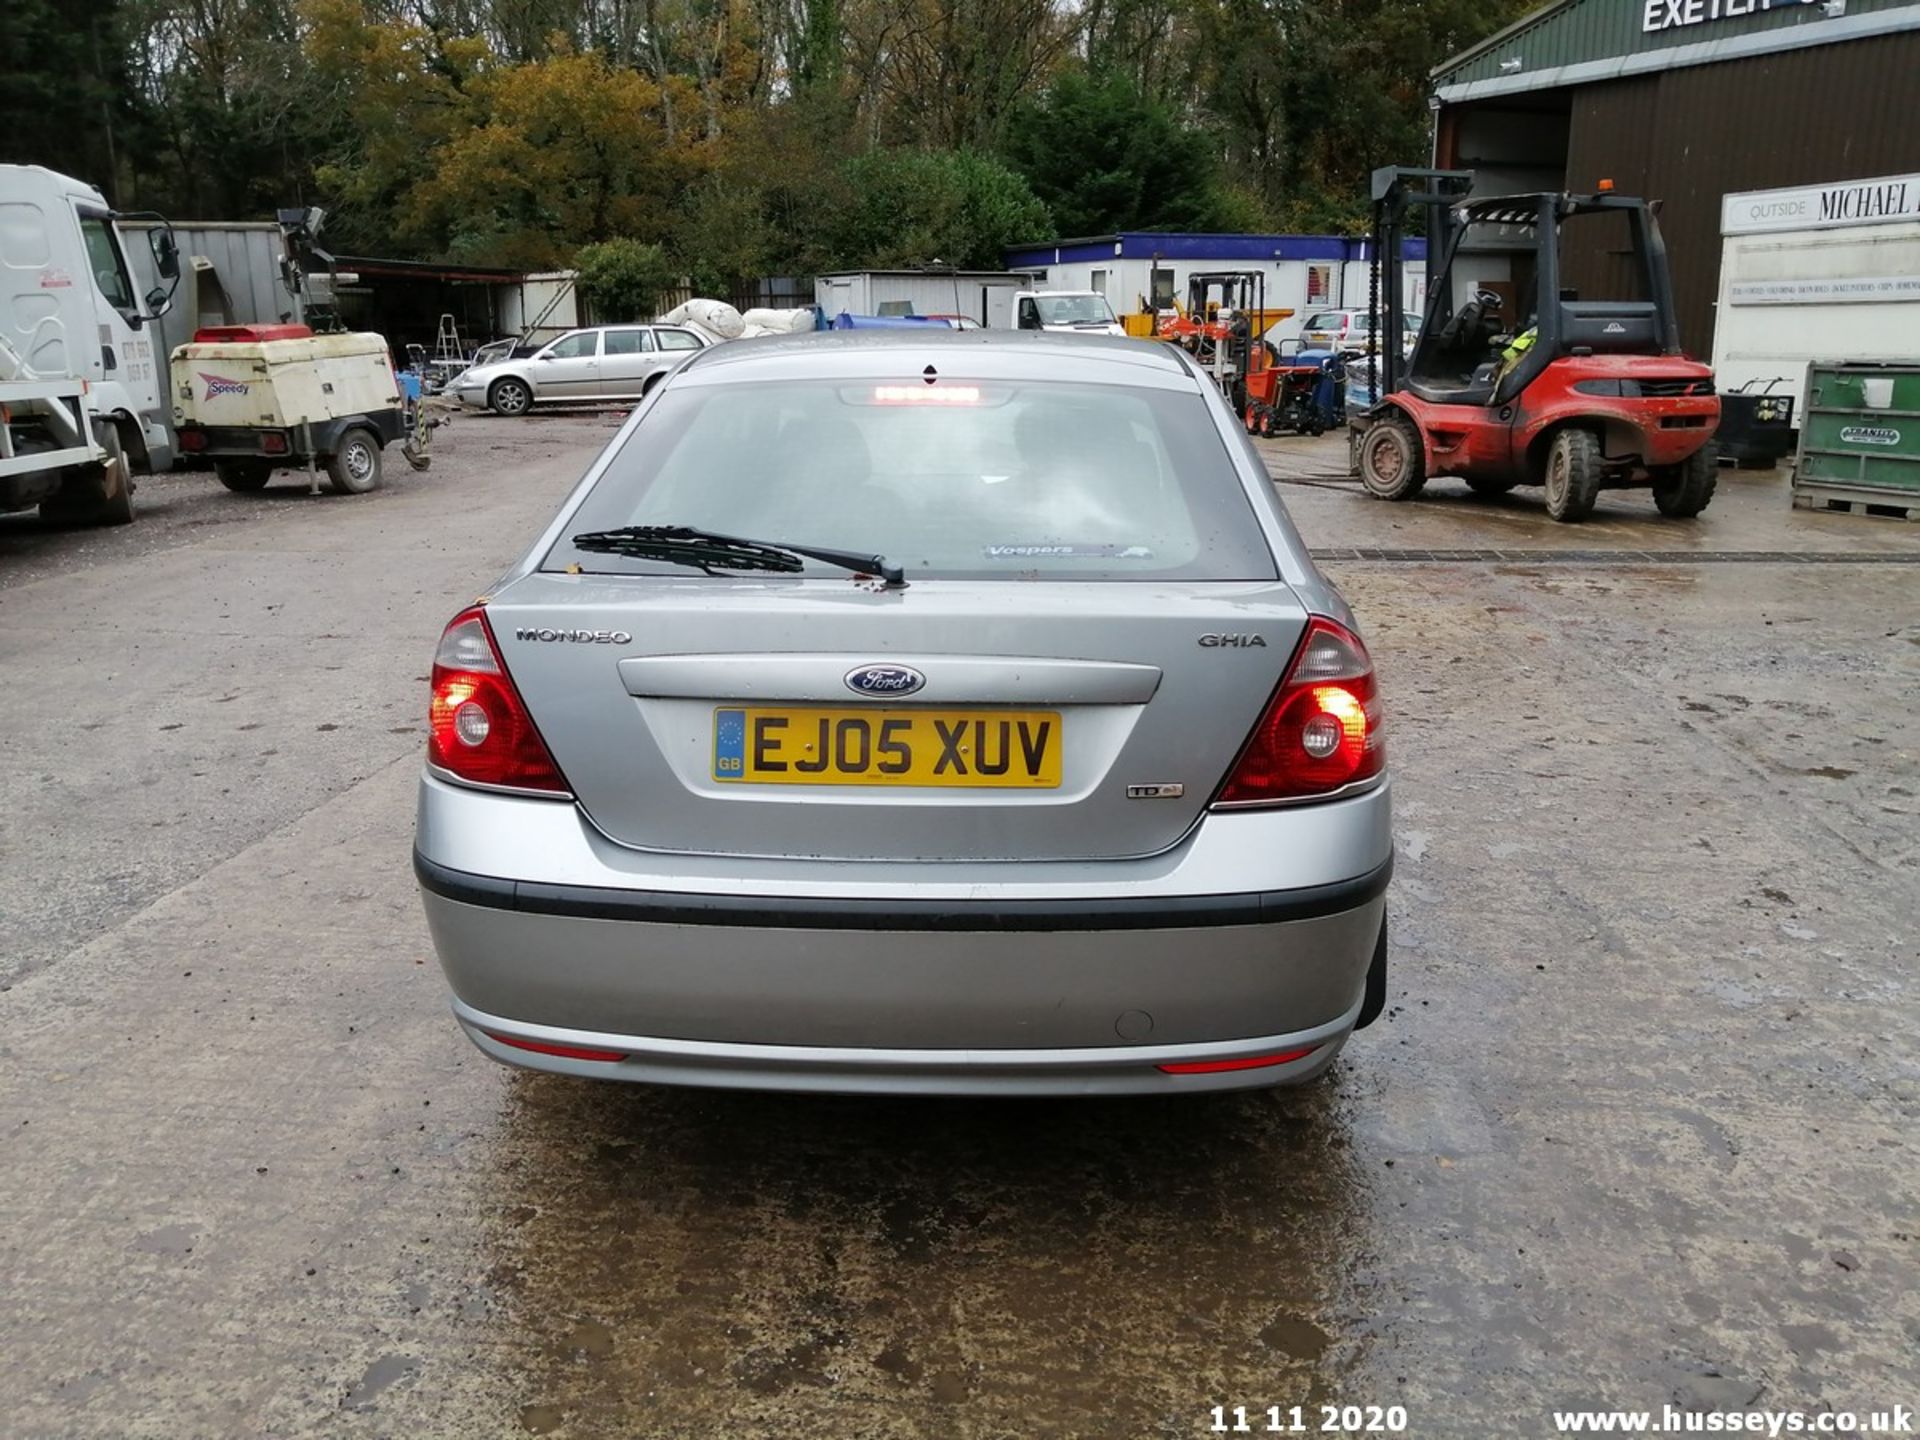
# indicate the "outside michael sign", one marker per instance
pixel 1885 201
pixel 1658 15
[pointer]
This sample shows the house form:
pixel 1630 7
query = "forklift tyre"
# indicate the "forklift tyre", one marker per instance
pixel 1682 491
pixel 1573 475
pixel 1392 461
pixel 95 494
pixel 242 476
pixel 354 466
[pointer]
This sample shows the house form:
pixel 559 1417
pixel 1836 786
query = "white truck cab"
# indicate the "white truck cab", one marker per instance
pixel 82 367
pixel 1084 311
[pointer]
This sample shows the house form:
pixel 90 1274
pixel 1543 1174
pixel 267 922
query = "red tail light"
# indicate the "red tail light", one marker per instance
pixel 1321 730
pixel 479 728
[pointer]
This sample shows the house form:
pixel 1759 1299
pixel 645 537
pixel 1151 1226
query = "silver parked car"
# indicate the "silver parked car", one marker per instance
pixel 608 362
pixel 920 712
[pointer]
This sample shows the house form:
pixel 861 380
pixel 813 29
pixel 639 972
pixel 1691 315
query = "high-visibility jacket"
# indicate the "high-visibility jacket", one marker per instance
pixel 1522 343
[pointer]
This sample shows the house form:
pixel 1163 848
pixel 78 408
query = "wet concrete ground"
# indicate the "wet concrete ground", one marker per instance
pixel 1639 1127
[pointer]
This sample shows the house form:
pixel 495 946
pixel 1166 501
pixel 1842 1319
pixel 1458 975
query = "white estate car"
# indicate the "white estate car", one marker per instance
pixel 606 362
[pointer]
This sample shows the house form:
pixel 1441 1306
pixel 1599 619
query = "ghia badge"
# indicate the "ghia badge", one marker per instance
pixel 1211 642
pixel 885 680
pixel 578 637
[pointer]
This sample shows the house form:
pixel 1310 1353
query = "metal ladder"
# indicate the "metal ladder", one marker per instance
pixel 446 341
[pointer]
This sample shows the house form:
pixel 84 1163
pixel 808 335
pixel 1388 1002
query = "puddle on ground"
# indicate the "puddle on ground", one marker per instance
pixel 380 1374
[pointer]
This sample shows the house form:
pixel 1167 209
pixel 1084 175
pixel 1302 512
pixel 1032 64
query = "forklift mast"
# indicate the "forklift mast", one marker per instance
pixel 1398 191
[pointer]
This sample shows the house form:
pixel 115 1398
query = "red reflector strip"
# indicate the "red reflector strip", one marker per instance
pixel 565 1052
pixel 1252 1062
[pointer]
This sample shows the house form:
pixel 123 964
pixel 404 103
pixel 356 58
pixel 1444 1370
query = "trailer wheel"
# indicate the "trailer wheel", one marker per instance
pixel 1392 463
pixel 354 466
pixel 1573 475
pixel 509 396
pixel 95 494
pixel 1682 491
pixel 242 476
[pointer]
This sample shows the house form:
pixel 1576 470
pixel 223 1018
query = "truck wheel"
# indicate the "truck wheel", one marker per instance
pixel 1682 491
pixel 242 476
pixel 95 494
pixel 354 466
pixel 1573 475
pixel 1392 463
pixel 1487 485
pixel 509 397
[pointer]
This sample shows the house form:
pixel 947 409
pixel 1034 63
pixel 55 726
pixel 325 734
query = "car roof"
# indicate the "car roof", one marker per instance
pixel 977 354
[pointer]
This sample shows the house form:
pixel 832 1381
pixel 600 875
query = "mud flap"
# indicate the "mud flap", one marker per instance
pixel 1376 997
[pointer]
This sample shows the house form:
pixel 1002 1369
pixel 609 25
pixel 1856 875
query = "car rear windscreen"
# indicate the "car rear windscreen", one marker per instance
pixel 955 479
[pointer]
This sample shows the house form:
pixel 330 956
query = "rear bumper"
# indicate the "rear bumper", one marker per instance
pixel 1254 937
pixel 284 444
pixel 1108 1070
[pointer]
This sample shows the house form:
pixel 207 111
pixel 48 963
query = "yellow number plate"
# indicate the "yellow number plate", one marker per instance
pixel 988 749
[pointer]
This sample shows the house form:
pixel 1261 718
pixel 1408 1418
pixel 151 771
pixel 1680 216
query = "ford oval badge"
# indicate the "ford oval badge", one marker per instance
pixel 885 680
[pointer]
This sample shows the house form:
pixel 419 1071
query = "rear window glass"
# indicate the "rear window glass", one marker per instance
pixel 1001 480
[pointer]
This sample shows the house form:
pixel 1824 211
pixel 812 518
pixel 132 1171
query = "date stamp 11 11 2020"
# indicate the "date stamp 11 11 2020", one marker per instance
pixel 1307 1420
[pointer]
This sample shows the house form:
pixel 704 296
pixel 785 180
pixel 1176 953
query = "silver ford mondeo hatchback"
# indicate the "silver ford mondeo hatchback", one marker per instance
pixel 933 713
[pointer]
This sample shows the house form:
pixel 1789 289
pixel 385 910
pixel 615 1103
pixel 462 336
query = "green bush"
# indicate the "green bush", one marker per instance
pixel 622 279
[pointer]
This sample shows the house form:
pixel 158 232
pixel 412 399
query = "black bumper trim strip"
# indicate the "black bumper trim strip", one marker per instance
pixel 797 912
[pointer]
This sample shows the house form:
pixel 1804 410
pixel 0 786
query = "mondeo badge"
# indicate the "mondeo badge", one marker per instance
pixel 577 637
pixel 885 680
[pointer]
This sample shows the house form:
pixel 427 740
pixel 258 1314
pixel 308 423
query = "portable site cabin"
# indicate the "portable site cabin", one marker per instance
pixel 542 307
pixel 1147 270
pixel 982 295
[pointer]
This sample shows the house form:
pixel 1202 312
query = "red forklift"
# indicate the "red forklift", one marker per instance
pixel 1516 378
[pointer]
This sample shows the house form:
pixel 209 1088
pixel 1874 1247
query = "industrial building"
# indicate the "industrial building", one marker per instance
pixel 1689 103
pixel 410 301
pixel 1143 270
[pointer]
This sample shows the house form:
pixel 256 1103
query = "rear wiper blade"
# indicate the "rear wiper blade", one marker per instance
pixel 710 551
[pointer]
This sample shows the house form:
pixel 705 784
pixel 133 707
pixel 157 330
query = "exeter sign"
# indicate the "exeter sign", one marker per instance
pixel 1884 201
pixel 1656 15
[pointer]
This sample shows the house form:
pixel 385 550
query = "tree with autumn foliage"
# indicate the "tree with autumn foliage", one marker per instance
pixel 745 137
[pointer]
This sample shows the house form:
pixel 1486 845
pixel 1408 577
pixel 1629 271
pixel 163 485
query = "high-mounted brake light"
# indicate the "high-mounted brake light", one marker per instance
pixel 1321 731
pixel 478 726
pixel 926 394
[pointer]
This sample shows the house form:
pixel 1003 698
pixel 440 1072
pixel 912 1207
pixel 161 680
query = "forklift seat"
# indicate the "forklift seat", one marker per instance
pixel 1476 391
